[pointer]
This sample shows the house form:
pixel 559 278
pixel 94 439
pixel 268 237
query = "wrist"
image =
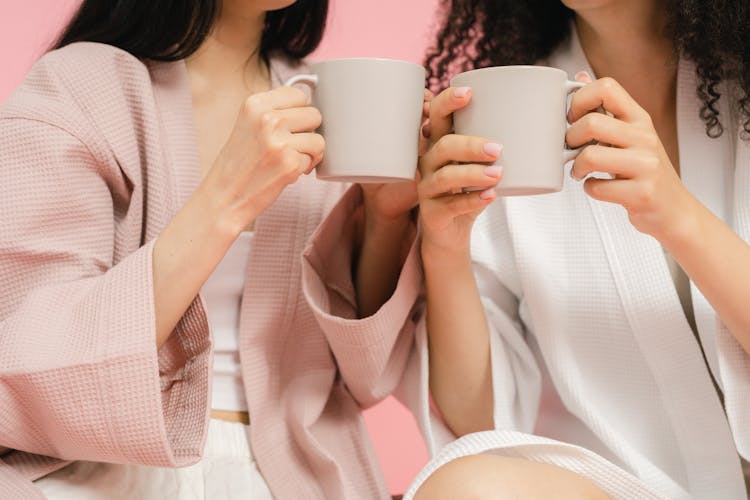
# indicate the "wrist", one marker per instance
pixel 448 259
pixel 687 228
pixel 221 208
pixel 216 211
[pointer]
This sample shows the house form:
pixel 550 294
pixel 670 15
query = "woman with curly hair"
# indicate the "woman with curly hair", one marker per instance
pixel 594 342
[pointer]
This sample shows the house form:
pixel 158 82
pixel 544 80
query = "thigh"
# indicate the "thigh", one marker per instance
pixel 496 477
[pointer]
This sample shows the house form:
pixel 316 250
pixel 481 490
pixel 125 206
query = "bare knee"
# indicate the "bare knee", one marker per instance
pixel 483 477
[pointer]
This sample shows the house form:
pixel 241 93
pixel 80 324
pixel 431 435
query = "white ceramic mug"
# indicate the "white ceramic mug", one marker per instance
pixel 372 113
pixel 523 108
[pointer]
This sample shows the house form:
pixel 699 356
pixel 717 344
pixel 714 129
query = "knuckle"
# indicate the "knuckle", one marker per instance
pixel 646 195
pixel 297 94
pixel 650 163
pixel 650 140
pixel 592 123
pixel 275 147
pixel 608 84
pixel 252 104
pixel 588 157
pixel 270 121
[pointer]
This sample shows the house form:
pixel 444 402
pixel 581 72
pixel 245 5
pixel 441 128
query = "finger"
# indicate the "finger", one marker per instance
pixel 424 138
pixel 428 97
pixel 426 131
pixel 608 94
pixel 279 98
pixel 442 108
pixel 625 192
pixel 305 119
pixel 459 149
pixel 597 158
pixel 310 144
pixel 294 164
pixel 602 128
pixel 440 212
pixel 454 178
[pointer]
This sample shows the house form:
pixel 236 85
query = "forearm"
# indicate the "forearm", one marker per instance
pixel 459 343
pixel 185 255
pixel 383 250
pixel 718 262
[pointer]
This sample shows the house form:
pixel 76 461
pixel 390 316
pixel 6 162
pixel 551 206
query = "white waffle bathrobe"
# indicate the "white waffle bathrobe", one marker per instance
pixel 595 367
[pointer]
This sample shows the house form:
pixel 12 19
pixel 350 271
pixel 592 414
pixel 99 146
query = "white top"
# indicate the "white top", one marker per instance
pixel 222 294
pixel 595 367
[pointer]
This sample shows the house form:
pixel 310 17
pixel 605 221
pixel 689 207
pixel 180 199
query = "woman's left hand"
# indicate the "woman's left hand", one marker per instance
pixel 645 181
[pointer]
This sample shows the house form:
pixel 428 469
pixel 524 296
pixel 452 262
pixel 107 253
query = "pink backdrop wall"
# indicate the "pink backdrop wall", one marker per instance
pixel 384 28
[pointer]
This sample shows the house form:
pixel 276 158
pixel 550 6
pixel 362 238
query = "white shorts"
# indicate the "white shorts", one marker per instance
pixel 226 471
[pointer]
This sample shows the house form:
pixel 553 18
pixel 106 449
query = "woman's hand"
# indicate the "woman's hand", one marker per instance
pixel 271 145
pixel 645 181
pixel 452 163
pixel 273 142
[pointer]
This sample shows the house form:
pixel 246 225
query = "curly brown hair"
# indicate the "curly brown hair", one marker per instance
pixel 715 34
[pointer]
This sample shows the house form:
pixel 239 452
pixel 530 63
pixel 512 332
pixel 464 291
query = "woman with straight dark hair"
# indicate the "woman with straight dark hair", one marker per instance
pixel 153 155
pixel 593 342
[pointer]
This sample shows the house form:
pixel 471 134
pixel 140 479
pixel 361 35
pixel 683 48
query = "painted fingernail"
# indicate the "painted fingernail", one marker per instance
pixel 487 194
pixel 493 149
pixel 494 171
pixel 461 92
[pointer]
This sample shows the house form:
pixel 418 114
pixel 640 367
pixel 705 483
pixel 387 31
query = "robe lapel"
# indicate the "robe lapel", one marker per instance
pixel 652 307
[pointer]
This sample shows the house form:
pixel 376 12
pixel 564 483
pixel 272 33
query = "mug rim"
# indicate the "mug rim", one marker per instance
pixel 496 69
pixel 366 59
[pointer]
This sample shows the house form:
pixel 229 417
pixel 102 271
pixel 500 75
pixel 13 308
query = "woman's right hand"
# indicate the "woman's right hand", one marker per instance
pixel 452 163
pixel 273 142
pixel 271 145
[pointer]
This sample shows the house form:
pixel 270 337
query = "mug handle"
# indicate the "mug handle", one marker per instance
pixel 309 80
pixel 572 154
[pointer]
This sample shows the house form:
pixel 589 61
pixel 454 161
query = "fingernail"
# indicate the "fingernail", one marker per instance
pixel 494 171
pixel 573 175
pixel 426 131
pixel 461 92
pixel 583 75
pixel 487 194
pixel 493 149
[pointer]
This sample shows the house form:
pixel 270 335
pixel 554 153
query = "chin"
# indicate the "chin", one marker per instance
pixel 267 5
pixel 588 4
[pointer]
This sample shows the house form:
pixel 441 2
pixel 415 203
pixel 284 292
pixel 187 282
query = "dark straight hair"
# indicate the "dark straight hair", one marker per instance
pixel 169 30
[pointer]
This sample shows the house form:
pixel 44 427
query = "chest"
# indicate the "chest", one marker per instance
pixel 214 121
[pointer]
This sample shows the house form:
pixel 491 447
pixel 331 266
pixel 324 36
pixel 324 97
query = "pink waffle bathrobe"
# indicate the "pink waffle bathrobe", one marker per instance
pixel 97 153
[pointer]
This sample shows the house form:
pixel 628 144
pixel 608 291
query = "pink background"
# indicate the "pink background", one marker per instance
pixel 384 28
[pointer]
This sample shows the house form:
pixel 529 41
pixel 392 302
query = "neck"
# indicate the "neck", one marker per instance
pixel 627 41
pixel 231 52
